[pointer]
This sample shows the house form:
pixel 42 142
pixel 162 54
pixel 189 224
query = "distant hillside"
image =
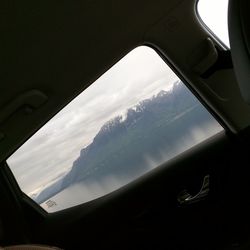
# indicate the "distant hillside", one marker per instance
pixel 122 147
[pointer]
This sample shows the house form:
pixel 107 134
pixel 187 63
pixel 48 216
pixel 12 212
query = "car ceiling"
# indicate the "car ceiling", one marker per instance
pixel 52 50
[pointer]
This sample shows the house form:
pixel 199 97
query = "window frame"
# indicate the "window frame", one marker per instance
pixel 23 197
pixel 218 41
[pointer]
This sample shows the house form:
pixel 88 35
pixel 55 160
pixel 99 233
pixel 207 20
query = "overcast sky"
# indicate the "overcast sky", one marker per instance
pixel 138 76
pixel 214 15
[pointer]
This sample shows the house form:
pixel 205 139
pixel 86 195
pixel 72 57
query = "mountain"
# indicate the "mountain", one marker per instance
pixel 123 146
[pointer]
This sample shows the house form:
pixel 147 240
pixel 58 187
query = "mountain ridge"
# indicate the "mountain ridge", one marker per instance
pixel 122 145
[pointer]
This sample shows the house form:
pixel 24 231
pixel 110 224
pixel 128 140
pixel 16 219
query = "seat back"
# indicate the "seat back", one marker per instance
pixel 239 34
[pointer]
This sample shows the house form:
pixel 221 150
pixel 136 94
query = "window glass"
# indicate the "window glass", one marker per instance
pixel 134 117
pixel 214 14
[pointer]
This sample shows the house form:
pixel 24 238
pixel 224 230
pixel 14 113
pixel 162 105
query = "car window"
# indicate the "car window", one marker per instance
pixel 214 14
pixel 136 116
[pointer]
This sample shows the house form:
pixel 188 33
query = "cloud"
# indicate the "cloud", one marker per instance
pixel 52 150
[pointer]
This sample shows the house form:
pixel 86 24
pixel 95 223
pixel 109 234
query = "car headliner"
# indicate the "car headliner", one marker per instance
pixel 53 50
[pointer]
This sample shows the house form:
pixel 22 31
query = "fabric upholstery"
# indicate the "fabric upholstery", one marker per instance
pixel 239 34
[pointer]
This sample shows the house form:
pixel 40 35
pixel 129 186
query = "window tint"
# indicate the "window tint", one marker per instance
pixel 136 116
pixel 214 14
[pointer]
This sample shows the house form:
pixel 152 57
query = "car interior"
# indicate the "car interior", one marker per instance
pixel 51 51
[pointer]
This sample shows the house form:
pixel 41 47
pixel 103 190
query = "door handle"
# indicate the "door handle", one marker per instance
pixel 185 198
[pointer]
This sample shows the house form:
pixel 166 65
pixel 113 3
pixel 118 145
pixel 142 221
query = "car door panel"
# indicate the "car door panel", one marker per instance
pixel 146 213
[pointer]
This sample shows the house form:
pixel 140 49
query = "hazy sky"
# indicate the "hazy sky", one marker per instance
pixel 214 15
pixel 139 75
